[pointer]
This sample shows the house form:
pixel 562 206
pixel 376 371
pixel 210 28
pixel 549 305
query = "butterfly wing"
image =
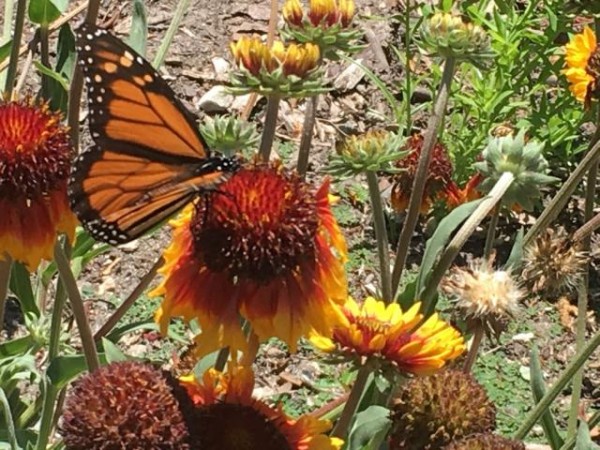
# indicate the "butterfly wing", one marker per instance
pixel 149 159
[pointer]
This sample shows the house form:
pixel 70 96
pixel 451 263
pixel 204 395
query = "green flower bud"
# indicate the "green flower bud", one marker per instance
pixel 228 134
pixel 524 160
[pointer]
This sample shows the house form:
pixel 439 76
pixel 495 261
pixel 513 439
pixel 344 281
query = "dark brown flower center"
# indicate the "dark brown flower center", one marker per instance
pixel 593 64
pixel 260 225
pixel 35 153
pixel 225 426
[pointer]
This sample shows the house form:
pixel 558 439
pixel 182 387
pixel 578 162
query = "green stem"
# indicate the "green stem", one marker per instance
pixel 13 62
pixel 407 71
pixel 383 246
pixel 68 279
pixel 341 427
pixel 5 268
pixel 50 393
pixel 77 82
pixel 491 233
pixel 461 237
pixel 270 125
pixel 474 350
pixel 562 196
pixel 6 32
pixel 310 117
pixel 8 419
pixel 582 302
pixel 557 387
pixel 182 7
pixel 129 301
pixel 429 140
pixel 45 58
pixel 570 442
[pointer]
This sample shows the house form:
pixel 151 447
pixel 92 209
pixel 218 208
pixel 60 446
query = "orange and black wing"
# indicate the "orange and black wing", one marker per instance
pixel 149 159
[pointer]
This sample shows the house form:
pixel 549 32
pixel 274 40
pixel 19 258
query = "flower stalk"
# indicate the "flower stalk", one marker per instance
pixel 429 140
pixel 182 7
pixel 381 236
pixel 342 425
pixel 310 118
pixel 11 73
pixel 491 233
pixel 85 332
pixel 474 349
pixel 577 362
pixel 451 251
pixel 266 143
pixel 5 268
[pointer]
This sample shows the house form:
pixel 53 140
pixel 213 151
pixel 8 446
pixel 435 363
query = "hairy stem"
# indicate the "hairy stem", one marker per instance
pixel 341 427
pixel 383 246
pixel 13 61
pixel 83 325
pixel 567 375
pixel 429 140
pixel 491 233
pixel 5 268
pixel 266 144
pixel 310 117
pixel 475 345
pixel 45 58
pixel 8 420
pixel 461 237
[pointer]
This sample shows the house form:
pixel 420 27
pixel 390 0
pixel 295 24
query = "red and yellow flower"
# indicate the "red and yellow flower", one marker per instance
pixel 35 159
pixel 374 331
pixel 582 63
pixel 324 13
pixel 439 175
pixel 268 249
pixel 224 401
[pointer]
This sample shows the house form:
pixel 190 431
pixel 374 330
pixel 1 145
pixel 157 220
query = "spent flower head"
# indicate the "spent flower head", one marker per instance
pixel 326 23
pixel 374 151
pixel 391 339
pixel 450 36
pixel 485 441
pixel 229 135
pixel 290 70
pixel 524 160
pixel 484 295
pixel 582 61
pixel 430 412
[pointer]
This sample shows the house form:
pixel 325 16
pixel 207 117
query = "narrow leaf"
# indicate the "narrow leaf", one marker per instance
pixel 113 353
pixel 42 12
pixel 20 285
pixel 138 35
pixel 369 424
pixel 63 369
pixel 516 254
pixel 584 439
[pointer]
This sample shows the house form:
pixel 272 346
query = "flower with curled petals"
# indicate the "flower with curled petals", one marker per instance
pixel 265 247
pixel 35 160
pixel 376 332
pixel 224 402
pixel 582 61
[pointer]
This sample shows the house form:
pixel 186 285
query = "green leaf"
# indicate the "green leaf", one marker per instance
pixel 113 353
pixel 66 55
pixel 138 35
pixel 5 50
pixel 119 332
pixel 20 285
pixel 8 420
pixel 440 238
pixel 63 369
pixel 42 12
pixel 52 74
pixel 17 346
pixel 516 254
pixel 584 440
pixel 370 425
pixel 538 389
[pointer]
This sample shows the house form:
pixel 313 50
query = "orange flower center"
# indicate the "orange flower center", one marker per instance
pixel 260 224
pixel 226 426
pixel 34 149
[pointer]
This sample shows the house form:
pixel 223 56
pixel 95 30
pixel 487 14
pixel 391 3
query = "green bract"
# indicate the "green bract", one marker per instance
pixel 524 160
pixel 228 134
pixel 329 39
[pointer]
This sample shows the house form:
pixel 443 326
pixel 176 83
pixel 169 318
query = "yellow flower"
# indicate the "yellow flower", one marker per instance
pixel 582 63
pixel 225 402
pixel 255 55
pixel 268 248
pixel 323 12
pixel 292 12
pixel 35 160
pixel 346 8
pixel 387 334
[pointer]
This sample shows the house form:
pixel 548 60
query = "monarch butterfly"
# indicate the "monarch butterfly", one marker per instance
pixel 149 159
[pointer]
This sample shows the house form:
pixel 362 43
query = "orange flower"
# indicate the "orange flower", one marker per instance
pixel 374 331
pixel 456 196
pixel 268 248
pixel 438 178
pixel 582 63
pixel 35 159
pixel 225 402
pixel 292 12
